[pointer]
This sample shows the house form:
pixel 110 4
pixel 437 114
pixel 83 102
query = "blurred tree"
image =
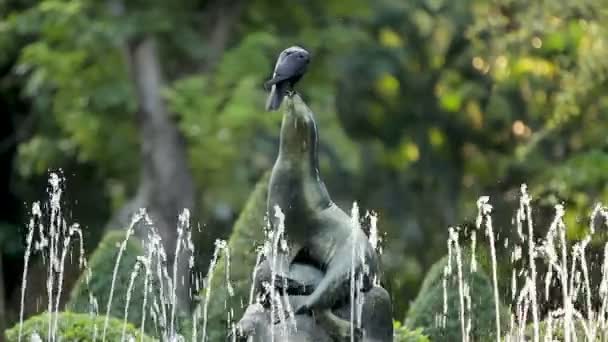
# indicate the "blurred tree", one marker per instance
pixel 165 186
pixel 470 98
pixel 547 74
pixel 69 41
pixel 422 105
pixel 244 244
pixel 436 292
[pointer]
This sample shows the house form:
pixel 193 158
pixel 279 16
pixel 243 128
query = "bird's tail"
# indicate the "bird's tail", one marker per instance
pixel 277 92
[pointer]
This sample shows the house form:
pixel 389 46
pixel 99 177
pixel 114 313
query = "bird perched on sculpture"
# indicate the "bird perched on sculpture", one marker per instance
pixel 290 67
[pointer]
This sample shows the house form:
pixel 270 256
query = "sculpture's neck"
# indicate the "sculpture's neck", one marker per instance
pixel 299 138
pixel 298 162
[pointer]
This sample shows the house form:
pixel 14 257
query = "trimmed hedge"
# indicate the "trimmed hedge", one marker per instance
pixel 558 332
pixel 75 327
pixel 102 263
pixel 428 305
pixel 248 232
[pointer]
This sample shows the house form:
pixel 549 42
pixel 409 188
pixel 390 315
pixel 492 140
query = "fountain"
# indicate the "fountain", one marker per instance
pixel 576 319
pixel 352 307
pixel 317 276
pixel 52 239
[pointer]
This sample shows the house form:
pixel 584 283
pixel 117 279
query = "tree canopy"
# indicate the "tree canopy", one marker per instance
pixel 423 106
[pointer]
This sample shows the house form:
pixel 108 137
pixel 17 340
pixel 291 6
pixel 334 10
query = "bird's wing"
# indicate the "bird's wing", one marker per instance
pixel 290 67
pixel 285 71
pixel 275 76
pixel 274 80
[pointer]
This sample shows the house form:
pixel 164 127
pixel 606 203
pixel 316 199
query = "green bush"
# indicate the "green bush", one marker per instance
pixel 403 334
pixel 248 232
pixel 428 305
pixel 102 263
pixel 557 332
pixel 75 327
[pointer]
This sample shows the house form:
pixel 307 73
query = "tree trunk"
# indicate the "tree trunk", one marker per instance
pixel 166 185
pixel 219 21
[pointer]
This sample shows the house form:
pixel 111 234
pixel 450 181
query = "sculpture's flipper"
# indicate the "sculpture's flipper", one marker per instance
pixel 300 279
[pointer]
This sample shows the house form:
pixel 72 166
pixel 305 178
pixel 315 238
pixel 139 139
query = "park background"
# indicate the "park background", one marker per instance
pixel 423 106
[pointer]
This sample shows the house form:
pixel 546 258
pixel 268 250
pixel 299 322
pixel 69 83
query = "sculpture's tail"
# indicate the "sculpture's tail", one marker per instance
pixel 277 92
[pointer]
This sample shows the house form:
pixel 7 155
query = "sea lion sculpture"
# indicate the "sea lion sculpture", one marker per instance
pixel 315 273
pixel 313 223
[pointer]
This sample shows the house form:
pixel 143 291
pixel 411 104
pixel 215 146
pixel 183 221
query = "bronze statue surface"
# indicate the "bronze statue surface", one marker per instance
pixel 311 282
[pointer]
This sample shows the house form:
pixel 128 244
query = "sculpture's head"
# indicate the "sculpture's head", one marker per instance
pixel 299 136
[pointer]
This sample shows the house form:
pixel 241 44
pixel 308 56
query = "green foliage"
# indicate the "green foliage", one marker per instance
pixel 248 233
pixel 75 327
pixel 101 266
pixel 230 114
pixel 403 334
pixel 447 101
pixel 428 305
pixel 557 332
pixel 86 109
pixel 553 68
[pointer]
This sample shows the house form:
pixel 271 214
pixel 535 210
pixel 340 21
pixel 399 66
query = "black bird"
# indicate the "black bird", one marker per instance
pixel 291 66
